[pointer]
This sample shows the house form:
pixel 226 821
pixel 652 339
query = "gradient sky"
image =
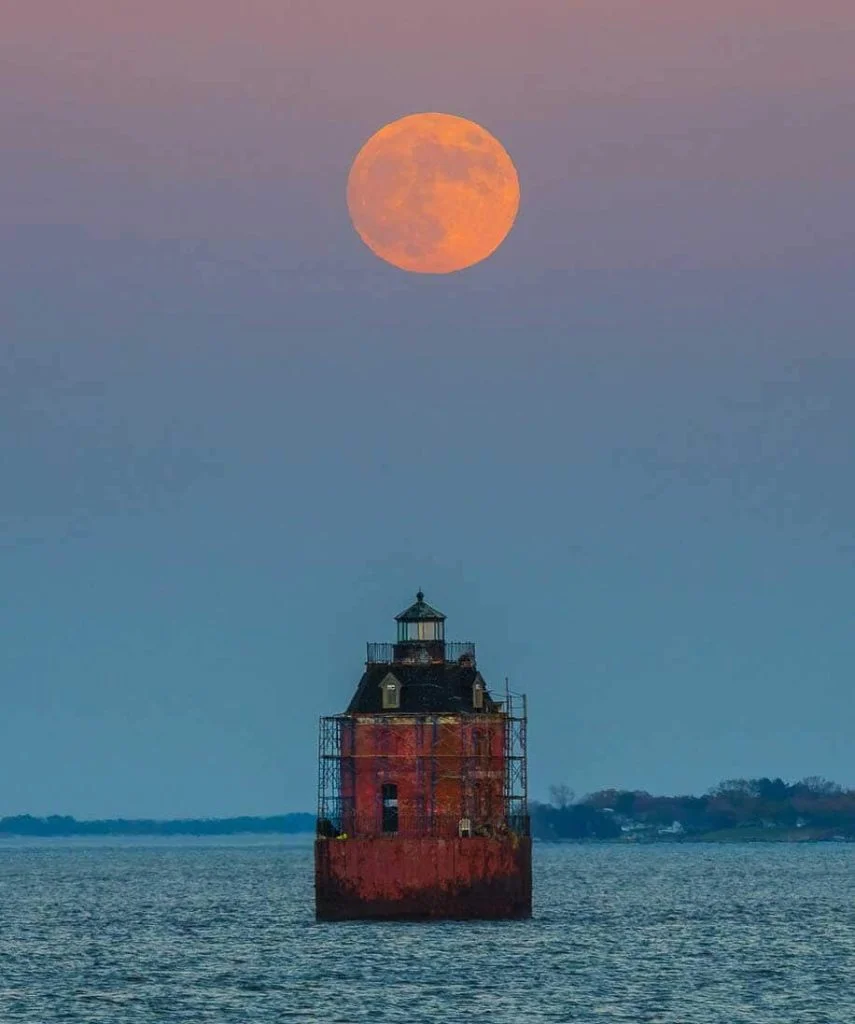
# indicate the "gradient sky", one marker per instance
pixel 618 454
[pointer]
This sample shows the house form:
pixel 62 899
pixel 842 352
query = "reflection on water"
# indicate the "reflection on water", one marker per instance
pixel 187 932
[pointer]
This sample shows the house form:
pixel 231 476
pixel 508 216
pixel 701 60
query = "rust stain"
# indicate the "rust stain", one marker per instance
pixel 423 878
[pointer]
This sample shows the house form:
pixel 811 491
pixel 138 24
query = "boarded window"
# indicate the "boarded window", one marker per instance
pixel 483 801
pixel 389 799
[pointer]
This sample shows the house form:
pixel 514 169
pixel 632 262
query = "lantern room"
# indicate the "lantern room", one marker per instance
pixel 421 633
pixel 420 622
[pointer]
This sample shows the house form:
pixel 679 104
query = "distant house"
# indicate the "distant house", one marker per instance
pixel 634 826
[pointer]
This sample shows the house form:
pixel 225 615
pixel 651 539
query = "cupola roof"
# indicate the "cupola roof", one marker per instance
pixel 421 611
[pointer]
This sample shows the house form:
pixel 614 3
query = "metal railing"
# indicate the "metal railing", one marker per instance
pixel 407 651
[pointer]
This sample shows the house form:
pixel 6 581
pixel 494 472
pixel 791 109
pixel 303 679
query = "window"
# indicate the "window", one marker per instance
pixel 422 629
pixel 483 802
pixel 390 689
pixel 478 694
pixel 389 800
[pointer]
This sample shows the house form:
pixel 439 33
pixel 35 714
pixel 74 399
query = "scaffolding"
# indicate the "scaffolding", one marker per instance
pixel 467 773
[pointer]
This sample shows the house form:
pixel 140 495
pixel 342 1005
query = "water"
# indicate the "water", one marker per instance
pixel 202 932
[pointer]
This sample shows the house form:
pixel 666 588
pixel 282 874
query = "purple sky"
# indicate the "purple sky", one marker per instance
pixel 618 454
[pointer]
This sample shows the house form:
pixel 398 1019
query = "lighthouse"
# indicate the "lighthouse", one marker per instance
pixel 422 795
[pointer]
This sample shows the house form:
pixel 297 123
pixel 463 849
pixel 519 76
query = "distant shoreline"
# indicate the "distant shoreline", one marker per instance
pixel 813 810
pixel 764 810
pixel 61 826
pixel 303 824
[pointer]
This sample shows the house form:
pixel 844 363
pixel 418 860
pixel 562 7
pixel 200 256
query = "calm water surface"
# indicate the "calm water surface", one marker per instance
pixel 198 932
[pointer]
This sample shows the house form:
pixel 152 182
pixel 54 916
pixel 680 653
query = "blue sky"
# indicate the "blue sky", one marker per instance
pixel 618 454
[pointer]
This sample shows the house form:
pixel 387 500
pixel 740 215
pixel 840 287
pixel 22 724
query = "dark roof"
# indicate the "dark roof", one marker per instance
pixel 425 689
pixel 420 611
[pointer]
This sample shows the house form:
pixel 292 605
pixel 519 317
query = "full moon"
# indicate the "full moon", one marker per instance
pixel 433 193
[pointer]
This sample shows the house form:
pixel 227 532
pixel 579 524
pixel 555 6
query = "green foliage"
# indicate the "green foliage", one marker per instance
pixel 751 808
pixel 813 807
pixel 571 821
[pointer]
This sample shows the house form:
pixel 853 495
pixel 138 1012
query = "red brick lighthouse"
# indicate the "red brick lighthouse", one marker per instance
pixel 422 801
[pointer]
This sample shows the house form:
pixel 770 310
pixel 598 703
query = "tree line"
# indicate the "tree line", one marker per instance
pixel 814 807
pixel 62 825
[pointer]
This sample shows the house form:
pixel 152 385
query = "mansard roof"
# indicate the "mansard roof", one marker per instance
pixel 425 689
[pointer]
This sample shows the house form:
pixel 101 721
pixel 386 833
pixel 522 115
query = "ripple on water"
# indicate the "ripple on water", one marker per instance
pixel 184 932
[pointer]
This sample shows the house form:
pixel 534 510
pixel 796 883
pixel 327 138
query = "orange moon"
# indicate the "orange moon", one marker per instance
pixel 433 193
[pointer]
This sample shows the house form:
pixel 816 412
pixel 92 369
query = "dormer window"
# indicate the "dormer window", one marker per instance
pixel 478 693
pixel 390 688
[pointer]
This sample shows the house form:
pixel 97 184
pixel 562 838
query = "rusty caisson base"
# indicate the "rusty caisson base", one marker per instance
pixel 428 878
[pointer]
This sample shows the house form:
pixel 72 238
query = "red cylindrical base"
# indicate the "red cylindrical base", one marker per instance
pixel 389 878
